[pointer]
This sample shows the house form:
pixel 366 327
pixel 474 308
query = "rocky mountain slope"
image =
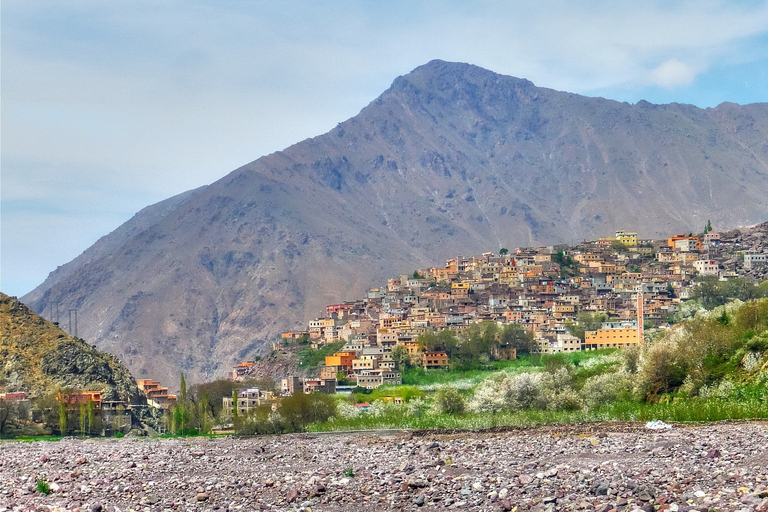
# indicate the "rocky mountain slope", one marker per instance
pixel 39 358
pixel 451 159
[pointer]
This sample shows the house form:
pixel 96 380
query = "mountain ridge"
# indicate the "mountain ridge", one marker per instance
pixel 450 159
pixel 40 359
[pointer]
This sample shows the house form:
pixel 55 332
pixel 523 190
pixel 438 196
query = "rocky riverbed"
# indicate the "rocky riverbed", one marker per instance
pixel 599 467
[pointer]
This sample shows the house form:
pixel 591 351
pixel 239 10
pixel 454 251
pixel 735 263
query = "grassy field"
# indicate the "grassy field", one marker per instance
pixel 429 380
pixel 690 410
pixel 309 357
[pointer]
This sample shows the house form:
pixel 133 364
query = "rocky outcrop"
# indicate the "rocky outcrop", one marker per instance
pixel 39 358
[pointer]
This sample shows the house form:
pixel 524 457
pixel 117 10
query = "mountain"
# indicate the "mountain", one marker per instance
pixel 39 358
pixel 451 159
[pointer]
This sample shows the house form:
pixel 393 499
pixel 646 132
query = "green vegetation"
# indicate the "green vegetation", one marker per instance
pixel 711 292
pixel 477 346
pixel 309 357
pixel 42 486
pixel 568 266
pixel 295 413
pixel 386 392
pixel 712 367
pixel 586 321
pixel 420 377
pixel 34 439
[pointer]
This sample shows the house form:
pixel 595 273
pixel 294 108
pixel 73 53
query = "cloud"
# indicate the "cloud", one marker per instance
pixel 673 73
pixel 143 100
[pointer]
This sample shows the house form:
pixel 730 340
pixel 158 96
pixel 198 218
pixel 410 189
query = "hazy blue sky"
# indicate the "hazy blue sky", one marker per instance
pixel 111 106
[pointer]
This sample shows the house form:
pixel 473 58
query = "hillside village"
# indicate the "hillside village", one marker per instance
pixel 629 283
pixel 599 294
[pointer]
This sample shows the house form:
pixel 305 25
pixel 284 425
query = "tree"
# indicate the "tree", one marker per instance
pixel 8 414
pixel 300 409
pixel 586 321
pixel 90 411
pixel 203 414
pixel 46 408
pixel 234 405
pixel 708 227
pixel 448 400
pixel 479 339
pixel 503 251
pixel 515 336
pixel 62 418
pixel 401 356
pixel 619 246
pixel 83 415
pixel 182 414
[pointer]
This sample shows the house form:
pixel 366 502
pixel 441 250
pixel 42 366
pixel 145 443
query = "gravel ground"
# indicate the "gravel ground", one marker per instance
pixel 603 467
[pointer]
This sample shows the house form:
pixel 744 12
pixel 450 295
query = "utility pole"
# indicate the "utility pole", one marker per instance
pixel 73 333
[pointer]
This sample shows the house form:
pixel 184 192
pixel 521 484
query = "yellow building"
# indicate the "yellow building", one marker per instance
pixel 627 238
pixel 610 338
pixel 340 359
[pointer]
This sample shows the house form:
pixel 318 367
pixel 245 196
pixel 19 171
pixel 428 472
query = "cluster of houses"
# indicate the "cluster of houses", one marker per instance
pixel 114 415
pixel 632 282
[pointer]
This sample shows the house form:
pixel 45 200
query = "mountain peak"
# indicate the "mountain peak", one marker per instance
pixel 451 159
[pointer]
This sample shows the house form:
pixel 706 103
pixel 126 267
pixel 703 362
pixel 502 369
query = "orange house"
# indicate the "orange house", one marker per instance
pixel 74 400
pixel 341 359
pixel 434 359
pixel 671 241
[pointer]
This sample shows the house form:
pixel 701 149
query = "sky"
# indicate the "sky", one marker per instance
pixel 108 107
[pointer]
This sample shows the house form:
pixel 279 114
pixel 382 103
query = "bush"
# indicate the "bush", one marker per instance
pixel 500 392
pixel 609 387
pixel 724 391
pixel 261 420
pixel 522 391
pixel 417 407
pixel 300 409
pixel 490 394
pixel 345 409
pixel 556 390
pixel 659 370
pixel 42 486
pixel 448 400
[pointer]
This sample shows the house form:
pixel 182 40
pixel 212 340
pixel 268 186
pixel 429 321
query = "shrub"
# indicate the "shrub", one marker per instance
pixel 725 390
pixel 609 387
pixel 300 409
pixel 501 392
pixel 260 420
pixel 751 361
pixel 659 369
pixel 417 407
pixel 522 391
pixel 448 400
pixel 42 486
pixel 345 409
pixel 631 358
pixel 556 390
pixel 490 394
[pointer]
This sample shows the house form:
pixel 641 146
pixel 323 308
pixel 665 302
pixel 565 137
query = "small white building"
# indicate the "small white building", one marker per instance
pixel 750 259
pixel 707 267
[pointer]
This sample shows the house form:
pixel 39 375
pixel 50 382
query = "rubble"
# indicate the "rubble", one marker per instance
pixel 540 469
